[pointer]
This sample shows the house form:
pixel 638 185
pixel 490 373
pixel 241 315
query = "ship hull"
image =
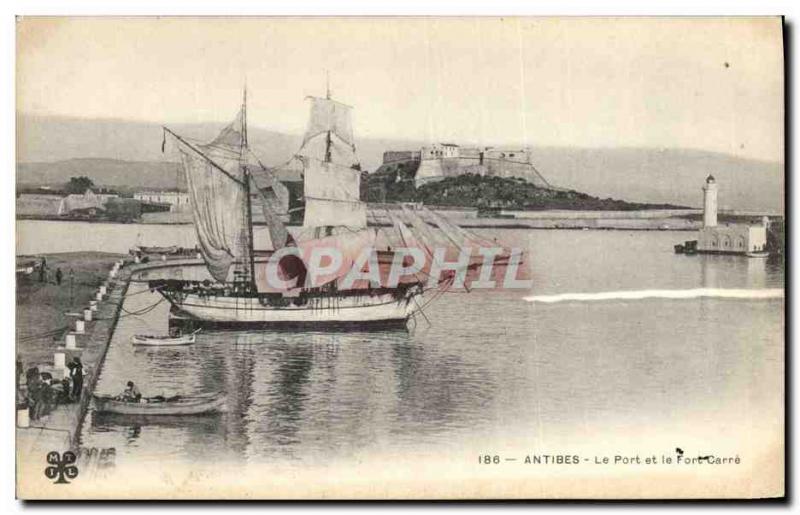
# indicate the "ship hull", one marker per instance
pixel 328 313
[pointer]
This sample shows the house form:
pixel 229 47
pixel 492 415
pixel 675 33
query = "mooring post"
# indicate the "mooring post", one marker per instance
pixel 59 360
pixel 23 417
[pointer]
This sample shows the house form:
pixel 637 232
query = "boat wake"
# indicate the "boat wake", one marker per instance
pixel 725 293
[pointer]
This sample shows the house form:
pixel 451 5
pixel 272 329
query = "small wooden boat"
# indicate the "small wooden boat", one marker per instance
pixel 758 254
pixel 164 341
pixel 151 406
pixel 172 249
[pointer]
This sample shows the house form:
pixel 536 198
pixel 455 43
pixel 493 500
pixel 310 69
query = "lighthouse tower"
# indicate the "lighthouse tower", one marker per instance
pixel 710 202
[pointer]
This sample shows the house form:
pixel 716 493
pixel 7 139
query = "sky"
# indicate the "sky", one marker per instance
pixel 705 83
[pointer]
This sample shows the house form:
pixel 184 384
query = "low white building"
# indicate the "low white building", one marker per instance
pixel 89 200
pixel 732 239
pixel 440 151
pixel 178 200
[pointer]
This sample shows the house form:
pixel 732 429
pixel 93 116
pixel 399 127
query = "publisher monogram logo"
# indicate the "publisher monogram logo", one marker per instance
pixel 62 467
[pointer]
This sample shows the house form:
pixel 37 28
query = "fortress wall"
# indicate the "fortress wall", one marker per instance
pixel 429 170
pixel 391 156
pixel 505 168
pixel 451 167
pixel 504 163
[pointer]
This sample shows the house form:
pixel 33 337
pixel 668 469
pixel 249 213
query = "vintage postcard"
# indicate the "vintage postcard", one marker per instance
pixel 400 258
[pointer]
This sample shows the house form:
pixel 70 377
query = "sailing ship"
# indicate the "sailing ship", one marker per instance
pixel 225 179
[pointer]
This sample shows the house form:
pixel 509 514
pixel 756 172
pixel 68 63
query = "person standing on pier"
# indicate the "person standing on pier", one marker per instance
pixel 33 385
pixel 76 374
pixel 46 400
pixel 59 276
pixel 42 270
pixel 20 372
pixel 64 396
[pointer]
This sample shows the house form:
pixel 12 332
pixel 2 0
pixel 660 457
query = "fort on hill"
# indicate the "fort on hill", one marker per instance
pixel 483 178
pixel 439 161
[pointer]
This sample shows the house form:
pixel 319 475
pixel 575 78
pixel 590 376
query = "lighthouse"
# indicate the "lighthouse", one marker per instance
pixel 728 238
pixel 710 202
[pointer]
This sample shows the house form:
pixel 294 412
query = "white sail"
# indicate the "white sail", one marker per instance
pixel 332 196
pixel 329 135
pixel 321 213
pixel 216 191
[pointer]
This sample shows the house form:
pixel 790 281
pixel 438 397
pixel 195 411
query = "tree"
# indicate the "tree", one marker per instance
pixel 79 184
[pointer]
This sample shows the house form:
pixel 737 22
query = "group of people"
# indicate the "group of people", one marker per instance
pixel 43 392
pixel 59 275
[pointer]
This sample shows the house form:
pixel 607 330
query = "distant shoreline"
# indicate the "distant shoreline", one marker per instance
pixel 598 222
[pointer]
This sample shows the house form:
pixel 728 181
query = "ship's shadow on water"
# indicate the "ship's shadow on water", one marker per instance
pixel 294 396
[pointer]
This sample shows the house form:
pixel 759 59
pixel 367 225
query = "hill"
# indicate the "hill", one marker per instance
pixel 46 139
pixel 664 175
pixel 504 193
pixel 112 173
pixel 125 153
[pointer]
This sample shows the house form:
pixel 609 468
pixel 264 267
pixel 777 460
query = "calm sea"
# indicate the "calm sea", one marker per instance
pixel 491 367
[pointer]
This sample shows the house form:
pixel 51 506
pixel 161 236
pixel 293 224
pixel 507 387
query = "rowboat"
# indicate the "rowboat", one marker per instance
pixel 177 405
pixel 172 249
pixel 163 341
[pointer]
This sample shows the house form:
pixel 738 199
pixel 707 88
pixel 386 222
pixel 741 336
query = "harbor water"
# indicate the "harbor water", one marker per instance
pixel 478 371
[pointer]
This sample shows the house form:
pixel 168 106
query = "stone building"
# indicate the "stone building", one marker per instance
pixel 438 161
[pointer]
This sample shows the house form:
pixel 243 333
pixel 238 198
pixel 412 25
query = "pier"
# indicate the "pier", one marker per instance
pixel 93 319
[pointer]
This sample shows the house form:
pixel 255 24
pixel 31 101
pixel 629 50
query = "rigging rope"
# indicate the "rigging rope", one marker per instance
pixel 39 336
pixel 142 311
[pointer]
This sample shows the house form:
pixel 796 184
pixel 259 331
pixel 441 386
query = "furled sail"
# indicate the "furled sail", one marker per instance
pixel 460 237
pixel 409 238
pixel 329 135
pixel 278 233
pixel 216 190
pixel 273 191
pixel 422 229
pixel 273 197
pixel 332 196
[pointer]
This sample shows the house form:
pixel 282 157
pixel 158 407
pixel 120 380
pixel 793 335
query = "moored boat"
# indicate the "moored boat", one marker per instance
pixel 172 249
pixel 177 405
pixel 163 341
pixel 378 309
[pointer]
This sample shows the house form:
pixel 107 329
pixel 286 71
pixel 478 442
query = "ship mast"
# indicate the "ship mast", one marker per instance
pixel 328 137
pixel 248 199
